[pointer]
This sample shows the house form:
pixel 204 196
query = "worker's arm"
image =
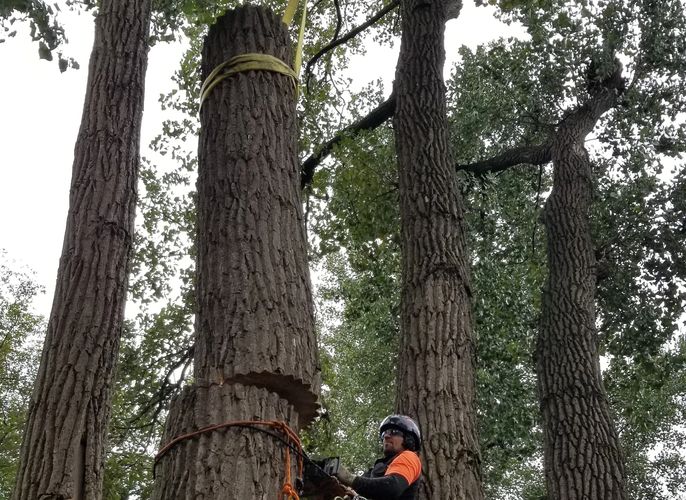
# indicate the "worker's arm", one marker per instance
pixel 404 470
pixel 387 487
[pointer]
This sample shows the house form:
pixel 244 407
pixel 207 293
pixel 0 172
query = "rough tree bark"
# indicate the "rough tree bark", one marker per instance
pixel 255 355
pixel 436 362
pixel 583 459
pixel 62 454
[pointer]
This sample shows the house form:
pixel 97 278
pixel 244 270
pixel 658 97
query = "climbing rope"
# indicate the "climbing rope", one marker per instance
pixel 254 61
pixel 292 441
pixel 287 19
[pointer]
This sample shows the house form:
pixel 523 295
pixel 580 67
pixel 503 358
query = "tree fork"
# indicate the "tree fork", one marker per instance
pixel 255 352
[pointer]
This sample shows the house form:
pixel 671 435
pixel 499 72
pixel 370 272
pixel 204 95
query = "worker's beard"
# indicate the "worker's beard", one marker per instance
pixel 389 452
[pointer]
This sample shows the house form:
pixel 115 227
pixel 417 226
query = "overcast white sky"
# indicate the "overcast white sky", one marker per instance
pixel 40 111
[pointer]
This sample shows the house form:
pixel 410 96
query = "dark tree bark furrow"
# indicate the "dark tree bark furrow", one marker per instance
pixel 436 361
pixel 583 459
pixel 63 446
pixel 255 350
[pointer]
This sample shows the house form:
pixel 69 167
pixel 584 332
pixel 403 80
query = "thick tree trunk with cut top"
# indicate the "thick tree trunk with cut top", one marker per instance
pixel 255 354
pixel 436 363
pixel 62 454
pixel 583 459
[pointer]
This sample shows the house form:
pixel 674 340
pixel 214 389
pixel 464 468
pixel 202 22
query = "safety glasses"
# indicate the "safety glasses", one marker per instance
pixel 391 432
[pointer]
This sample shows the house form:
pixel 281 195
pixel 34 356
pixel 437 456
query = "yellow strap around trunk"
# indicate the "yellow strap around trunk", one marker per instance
pixel 245 62
pixel 254 61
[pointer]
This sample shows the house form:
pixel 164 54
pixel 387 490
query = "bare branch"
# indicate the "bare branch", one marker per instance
pixel 351 34
pixel 532 155
pixel 339 19
pixel 373 120
pixel 157 402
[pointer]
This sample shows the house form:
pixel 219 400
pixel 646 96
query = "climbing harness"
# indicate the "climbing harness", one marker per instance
pixel 254 61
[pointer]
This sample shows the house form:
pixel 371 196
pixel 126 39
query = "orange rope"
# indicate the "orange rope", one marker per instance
pixel 292 438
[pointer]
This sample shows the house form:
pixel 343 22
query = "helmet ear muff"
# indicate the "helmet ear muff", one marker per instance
pixel 409 442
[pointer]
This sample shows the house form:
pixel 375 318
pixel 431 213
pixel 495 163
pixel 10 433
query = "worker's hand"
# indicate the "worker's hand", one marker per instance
pixel 344 477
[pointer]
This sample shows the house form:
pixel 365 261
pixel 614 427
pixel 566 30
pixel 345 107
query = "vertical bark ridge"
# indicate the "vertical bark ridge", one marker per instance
pixel 256 353
pixel 255 315
pixel 583 459
pixel 234 463
pixel 63 448
pixel 436 364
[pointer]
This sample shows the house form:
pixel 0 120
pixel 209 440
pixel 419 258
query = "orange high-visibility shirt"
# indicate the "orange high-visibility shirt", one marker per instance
pixel 407 465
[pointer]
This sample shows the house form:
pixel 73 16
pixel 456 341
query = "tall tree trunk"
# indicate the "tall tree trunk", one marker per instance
pixel 62 454
pixel 255 355
pixel 583 459
pixel 437 352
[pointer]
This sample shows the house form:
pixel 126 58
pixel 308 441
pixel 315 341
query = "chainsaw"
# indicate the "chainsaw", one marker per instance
pixel 319 481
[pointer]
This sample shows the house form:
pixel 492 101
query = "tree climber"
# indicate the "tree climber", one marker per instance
pixel 396 475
